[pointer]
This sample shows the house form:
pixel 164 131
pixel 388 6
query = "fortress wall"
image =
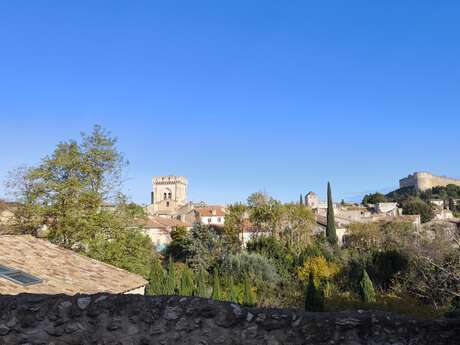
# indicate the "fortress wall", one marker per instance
pixel 173 320
pixel 423 181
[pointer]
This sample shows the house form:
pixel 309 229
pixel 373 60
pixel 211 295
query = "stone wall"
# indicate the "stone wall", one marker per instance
pixel 423 181
pixel 131 319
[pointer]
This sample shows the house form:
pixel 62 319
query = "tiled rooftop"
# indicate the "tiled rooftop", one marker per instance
pixel 61 270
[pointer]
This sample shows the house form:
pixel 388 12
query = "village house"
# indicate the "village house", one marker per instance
pixel 32 265
pixel 159 230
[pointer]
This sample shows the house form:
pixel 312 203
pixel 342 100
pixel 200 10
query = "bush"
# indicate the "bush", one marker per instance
pixel 314 298
pixel 386 265
pixel 319 268
pixel 417 206
pixel 367 291
pixel 254 266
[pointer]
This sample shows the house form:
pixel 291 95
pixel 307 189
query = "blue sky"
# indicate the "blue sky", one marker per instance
pixel 239 96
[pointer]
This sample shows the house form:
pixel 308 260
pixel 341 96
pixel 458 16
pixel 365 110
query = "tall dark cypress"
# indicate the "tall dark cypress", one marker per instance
pixel 301 199
pixel 331 232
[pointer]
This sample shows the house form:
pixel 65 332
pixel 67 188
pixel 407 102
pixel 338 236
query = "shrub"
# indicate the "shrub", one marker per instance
pixel 156 278
pixel 314 298
pixel 319 267
pixel 367 291
pixel 386 265
pixel 254 266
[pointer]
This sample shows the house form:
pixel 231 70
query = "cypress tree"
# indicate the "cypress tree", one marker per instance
pixel 216 290
pixel 233 294
pixel 301 199
pixel 331 232
pixel 314 298
pixel 156 278
pixel 200 286
pixel 170 286
pixel 248 295
pixel 186 283
pixel 367 288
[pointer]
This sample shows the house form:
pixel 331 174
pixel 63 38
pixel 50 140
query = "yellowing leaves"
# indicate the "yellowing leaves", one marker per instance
pixel 321 269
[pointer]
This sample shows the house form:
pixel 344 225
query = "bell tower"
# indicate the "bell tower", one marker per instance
pixel 169 193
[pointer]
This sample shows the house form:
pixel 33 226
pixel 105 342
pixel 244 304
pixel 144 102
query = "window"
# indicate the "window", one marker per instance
pixel 219 220
pixel 164 196
pixel 209 220
pixel 167 203
pixel 18 277
pixel 169 195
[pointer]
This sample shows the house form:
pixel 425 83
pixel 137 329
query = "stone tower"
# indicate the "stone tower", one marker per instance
pixel 169 194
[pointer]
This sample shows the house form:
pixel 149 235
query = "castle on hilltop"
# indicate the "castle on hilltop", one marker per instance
pixel 424 180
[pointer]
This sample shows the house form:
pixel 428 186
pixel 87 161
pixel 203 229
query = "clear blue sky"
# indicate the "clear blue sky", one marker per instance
pixel 239 96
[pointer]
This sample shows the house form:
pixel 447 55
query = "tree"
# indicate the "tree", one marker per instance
pixel 170 286
pixel 74 194
pixel 233 293
pixel 374 198
pixel 156 278
pixel 180 245
pixel 317 267
pixel 186 283
pixel 200 286
pixel 216 289
pixel 234 225
pixel 416 206
pixel 248 294
pixel 367 291
pixel 331 232
pixel 264 212
pixel 314 299
pixel 301 199
pixel 297 222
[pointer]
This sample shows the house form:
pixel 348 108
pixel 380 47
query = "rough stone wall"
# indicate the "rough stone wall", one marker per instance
pixel 131 319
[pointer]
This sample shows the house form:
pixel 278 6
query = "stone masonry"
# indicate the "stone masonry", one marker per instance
pixel 130 319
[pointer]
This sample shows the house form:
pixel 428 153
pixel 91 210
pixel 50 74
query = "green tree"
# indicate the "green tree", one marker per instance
pixel 74 194
pixel 374 198
pixel 234 225
pixel 331 232
pixel 156 278
pixel 180 245
pixel 367 291
pixel 264 212
pixel 301 199
pixel 216 289
pixel 314 298
pixel 249 298
pixel 416 206
pixel 200 286
pixel 233 293
pixel 186 283
pixel 170 285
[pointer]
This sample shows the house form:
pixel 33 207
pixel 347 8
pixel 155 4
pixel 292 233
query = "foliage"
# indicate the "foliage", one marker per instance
pixel 233 292
pixel 254 266
pixel 275 250
pixel 374 198
pixel 234 224
pixel 249 298
pixel 367 291
pixel 186 287
pixel 264 212
pixel 170 283
pixel 156 278
pixel 386 265
pixel 297 222
pixel 200 286
pixel 317 267
pixel 74 194
pixel 331 232
pixel 217 292
pixel 180 245
pixel 417 206
pixel 314 298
